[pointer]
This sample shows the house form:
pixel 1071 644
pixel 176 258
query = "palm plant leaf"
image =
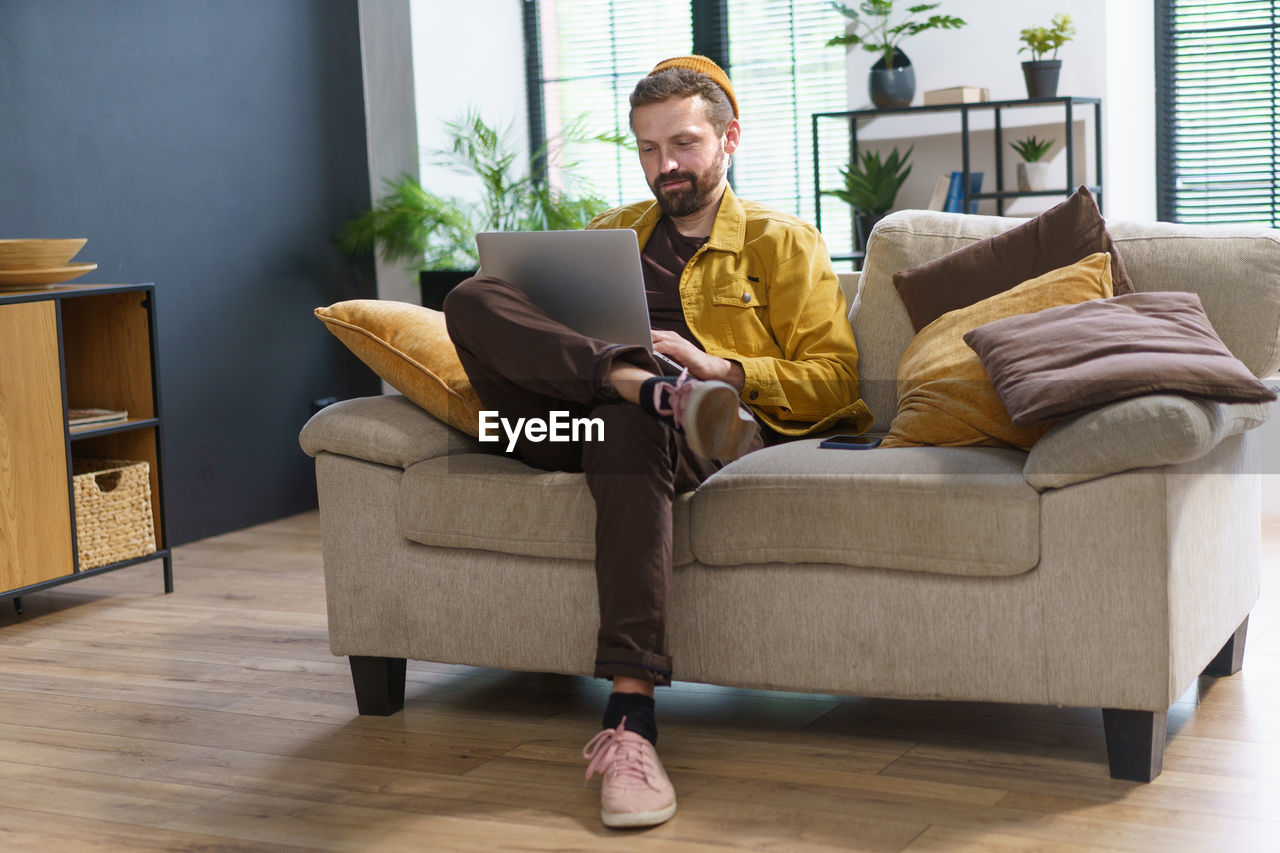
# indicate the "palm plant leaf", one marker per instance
pixel 410 224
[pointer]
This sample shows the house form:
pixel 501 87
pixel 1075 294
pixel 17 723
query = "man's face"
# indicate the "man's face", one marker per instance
pixel 684 160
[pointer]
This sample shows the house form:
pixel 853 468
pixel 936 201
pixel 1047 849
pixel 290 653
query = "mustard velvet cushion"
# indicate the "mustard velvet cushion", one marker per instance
pixel 945 397
pixel 408 346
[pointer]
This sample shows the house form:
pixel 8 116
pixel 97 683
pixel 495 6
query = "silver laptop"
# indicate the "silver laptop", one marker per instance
pixel 591 281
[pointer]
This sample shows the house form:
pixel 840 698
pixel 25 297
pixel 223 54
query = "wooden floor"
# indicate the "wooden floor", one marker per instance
pixel 215 718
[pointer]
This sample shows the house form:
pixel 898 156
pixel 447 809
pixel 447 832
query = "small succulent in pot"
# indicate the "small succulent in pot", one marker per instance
pixel 1032 149
pixel 1033 171
pixel 1042 74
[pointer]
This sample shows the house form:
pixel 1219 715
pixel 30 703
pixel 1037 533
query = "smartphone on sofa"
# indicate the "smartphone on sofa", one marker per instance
pixel 852 442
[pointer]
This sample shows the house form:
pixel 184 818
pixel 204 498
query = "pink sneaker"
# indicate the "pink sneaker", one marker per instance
pixel 635 790
pixel 707 411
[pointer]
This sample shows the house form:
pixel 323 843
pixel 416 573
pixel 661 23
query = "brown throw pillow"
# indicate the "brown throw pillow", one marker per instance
pixel 1056 238
pixel 1063 361
pixel 407 346
pixel 945 397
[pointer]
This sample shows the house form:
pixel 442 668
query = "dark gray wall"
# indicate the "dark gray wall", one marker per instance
pixel 212 147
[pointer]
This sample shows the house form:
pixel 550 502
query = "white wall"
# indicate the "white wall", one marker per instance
pixel 467 54
pixel 1111 57
pixel 390 126
pixel 1129 126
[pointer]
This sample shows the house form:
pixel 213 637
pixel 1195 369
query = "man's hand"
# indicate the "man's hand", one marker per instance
pixel 701 365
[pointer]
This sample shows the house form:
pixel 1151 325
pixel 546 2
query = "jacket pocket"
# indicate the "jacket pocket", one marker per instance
pixel 741 306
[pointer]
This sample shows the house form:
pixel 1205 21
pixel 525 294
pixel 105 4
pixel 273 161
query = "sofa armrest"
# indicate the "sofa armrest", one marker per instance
pixel 1142 432
pixel 849 286
pixel 388 430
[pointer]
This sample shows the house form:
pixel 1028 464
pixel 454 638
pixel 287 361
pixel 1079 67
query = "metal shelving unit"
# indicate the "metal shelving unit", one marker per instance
pixel 1000 194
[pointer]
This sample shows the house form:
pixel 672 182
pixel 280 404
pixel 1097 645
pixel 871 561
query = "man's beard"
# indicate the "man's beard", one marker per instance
pixel 694 195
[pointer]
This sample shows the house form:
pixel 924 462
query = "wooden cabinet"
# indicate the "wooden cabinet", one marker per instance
pixel 82 346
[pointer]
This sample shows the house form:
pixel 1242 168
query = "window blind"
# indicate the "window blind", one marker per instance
pixel 594 51
pixel 1218 101
pixel 783 73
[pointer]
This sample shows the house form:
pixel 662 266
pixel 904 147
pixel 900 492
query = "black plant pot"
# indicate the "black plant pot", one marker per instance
pixel 436 284
pixel 1042 77
pixel 892 87
pixel 863 223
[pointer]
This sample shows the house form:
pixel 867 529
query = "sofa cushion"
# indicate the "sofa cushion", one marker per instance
pixel 408 347
pixel 958 511
pixel 945 397
pixel 1143 432
pixel 1063 361
pixel 388 430
pixel 1060 236
pixel 496 503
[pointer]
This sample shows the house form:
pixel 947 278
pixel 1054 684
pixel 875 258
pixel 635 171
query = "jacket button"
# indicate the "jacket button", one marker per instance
pixel 746 297
pixel 754 394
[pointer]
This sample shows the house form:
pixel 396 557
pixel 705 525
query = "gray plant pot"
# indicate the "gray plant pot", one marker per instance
pixel 1042 77
pixel 892 87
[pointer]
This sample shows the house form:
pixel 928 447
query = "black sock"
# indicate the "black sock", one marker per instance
pixel 646 396
pixel 638 709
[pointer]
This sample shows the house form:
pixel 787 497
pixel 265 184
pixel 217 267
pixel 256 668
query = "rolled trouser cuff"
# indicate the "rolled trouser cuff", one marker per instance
pixel 628 353
pixel 630 663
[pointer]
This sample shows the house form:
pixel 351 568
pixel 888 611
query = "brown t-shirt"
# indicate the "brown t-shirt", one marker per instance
pixel 663 260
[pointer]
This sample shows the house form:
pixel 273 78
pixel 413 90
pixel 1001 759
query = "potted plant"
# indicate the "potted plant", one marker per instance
pixel 892 82
pixel 1032 169
pixel 1042 74
pixel 435 234
pixel 871 185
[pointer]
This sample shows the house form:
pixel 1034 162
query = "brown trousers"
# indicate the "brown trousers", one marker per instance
pixel 525 365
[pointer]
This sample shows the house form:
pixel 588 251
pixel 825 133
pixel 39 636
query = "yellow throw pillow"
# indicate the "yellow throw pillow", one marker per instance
pixel 407 346
pixel 945 397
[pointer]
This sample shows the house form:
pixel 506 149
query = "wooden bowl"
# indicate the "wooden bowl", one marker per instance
pixel 38 254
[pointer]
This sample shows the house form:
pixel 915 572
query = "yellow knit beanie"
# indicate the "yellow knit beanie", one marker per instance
pixel 704 66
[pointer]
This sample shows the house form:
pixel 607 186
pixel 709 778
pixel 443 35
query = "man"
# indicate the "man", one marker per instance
pixel 745 299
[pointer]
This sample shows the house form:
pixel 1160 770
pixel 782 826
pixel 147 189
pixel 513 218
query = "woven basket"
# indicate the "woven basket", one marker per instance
pixel 113 511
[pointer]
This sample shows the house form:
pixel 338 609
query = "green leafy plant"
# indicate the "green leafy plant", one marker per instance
pixel 871 184
pixel 1041 40
pixel 413 225
pixel 871 28
pixel 1032 149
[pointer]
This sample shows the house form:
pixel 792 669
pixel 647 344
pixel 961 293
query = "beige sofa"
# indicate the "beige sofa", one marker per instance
pixel 1107 568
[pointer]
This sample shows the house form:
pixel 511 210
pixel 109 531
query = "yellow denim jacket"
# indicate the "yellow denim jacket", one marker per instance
pixel 761 292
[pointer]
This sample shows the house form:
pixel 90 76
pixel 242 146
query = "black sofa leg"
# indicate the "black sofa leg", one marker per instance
pixel 1231 658
pixel 379 684
pixel 1135 743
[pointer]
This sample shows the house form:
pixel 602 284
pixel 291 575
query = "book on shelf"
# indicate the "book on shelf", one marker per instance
pixel 955 192
pixel 957 95
pixel 938 200
pixel 95 417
